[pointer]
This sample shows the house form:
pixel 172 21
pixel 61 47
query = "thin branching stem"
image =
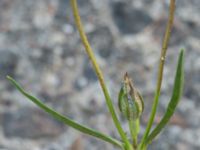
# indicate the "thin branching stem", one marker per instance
pixel 97 70
pixel 160 69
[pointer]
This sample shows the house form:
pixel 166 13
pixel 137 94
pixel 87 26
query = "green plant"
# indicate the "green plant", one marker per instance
pixel 129 99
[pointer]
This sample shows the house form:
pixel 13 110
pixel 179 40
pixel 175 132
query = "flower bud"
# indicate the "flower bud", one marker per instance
pixel 130 101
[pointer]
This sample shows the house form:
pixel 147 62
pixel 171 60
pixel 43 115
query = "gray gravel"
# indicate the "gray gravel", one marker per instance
pixel 40 48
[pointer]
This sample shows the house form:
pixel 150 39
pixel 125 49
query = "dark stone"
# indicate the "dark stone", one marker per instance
pixel 78 84
pixel 88 72
pixel 2 147
pixel 64 10
pixel 6 102
pixel 68 51
pixel 61 11
pixel 8 63
pixel 191 91
pixel 102 40
pixel 178 35
pixel 30 123
pixel 129 20
pixel 193 28
pixel 132 55
pixel 45 59
pixel 186 3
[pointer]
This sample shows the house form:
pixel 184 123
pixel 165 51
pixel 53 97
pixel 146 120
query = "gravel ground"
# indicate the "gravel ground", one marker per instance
pixel 40 48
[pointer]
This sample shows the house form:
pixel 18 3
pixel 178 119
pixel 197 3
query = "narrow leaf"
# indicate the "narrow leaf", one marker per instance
pixel 176 95
pixel 64 119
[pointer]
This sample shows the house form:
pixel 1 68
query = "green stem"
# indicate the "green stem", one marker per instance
pixel 97 70
pixel 160 69
pixel 176 95
pixel 134 127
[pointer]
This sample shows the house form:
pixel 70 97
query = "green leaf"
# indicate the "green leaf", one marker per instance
pixel 64 119
pixel 176 95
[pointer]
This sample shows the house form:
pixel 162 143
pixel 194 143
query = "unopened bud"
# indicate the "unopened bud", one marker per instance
pixel 130 101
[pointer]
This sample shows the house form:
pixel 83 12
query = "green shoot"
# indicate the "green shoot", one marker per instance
pixel 97 70
pixel 130 101
pixel 160 69
pixel 176 95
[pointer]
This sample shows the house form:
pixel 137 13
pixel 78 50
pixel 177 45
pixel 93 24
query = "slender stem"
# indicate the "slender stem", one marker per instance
pixel 134 126
pixel 130 123
pixel 176 95
pixel 97 70
pixel 160 69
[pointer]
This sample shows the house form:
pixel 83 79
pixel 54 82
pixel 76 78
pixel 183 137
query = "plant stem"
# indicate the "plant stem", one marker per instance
pixel 160 69
pixel 134 127
pixel 176 95
pixel 97 70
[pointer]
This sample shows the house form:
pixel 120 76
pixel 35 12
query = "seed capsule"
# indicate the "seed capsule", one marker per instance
pixel 130 101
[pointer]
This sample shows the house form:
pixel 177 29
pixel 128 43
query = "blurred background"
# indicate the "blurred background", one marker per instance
pixel 41 49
